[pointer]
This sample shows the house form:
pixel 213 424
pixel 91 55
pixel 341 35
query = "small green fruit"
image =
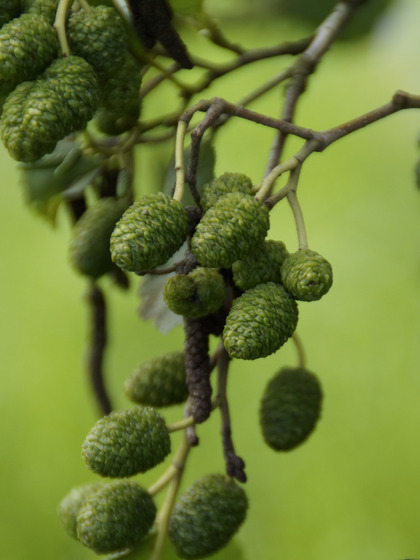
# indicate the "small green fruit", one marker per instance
pixel 206 516
pixel 28 44
pixel 89 245
pixel 306 275
pixel 44 8
pixel 149 233
pixel 197 294
pixel 229 230
pixel 120 99
pixel 290 408
pixel 159 381
pixel 9 10
pixel 115 517
pixel 127 442
pixel 70 505
pixel 99 36
pixel 261 266
pixel 36 115
pixel 260 321
pixel 226 183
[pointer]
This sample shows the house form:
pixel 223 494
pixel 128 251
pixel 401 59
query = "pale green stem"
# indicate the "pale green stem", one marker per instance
pixel 179 161
pixel 181 424
pixel 85 5
pixel 168 504
pixel 274 174
pixel 298 215
pixel 299 349
pixel 60 25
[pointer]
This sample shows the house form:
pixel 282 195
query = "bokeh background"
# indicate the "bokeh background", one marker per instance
pixel 353 489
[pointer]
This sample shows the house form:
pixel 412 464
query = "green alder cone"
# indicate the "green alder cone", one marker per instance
pixel 28 44
pixel 120 99
pixel 30 123
pixel 260 321
pixel 159 381
pixel 149 233
pixel 226 183
pixel 197 294
pixel 36 115
pixel 99 36
pixel 44 8
pixel 127 442
pixel 9 9
pixel 206 516
pixel 263 265
pixel 116 517
pixel 89 246
pixel 307 275
pixel 75 81
pixel 70 505
pixel 231 228
pixel 290 408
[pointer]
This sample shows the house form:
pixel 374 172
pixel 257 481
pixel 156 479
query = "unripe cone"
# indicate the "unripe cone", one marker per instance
pixel 44 8
pixel 260 321
pixel 127 442
pixel 116 517
pixel 120 98
pixel 307 275
pixel 197 294
pixel 99 36
pixel 9 10
pixel 226 183
pixel 149 232
pixel 28 44
pixel 31 105
pixel 229 230
pixel 159 381
pixel 38 114
pixel 262 266
pixel 75 81
pixel 89 246
pixel 70 505
pixel 207 516
pixel 290 408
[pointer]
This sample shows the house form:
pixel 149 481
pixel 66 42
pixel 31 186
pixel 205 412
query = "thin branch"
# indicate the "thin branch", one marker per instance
pixel 179 161
pixel 305 66
pixel 299 349
pixel 400 100
pixel 181 424
pixel 97 346
pixel 167 507
pixel 235 466
pixel 60 25
pixel 298 215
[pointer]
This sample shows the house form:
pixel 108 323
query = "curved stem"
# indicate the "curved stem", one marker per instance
pixel 299 349
pixel 98 343
pixel 60 25
pixel 235 466
pixel 179 161
pixel 274 174
pixel 298 215
pixel 181 424
pixel 168 504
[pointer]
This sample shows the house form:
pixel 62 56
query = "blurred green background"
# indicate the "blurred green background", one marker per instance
pixel 353 490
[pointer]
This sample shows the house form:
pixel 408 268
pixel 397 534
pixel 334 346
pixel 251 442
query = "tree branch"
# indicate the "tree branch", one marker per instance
pixel 97 346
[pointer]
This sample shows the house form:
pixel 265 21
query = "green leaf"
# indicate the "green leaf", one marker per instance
pixel 152 304
pixel 46 180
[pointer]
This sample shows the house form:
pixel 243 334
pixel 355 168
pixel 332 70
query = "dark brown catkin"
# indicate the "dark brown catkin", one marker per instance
pixel 197 367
